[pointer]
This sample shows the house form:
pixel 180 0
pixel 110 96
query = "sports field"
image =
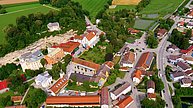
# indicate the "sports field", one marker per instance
pixel 93 6
pixel 162 7
pixel 17 11
pixel 125 2
pixel 15 1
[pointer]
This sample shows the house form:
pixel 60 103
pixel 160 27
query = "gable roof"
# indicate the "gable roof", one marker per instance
pixel 78 37
pixel 59 85
pixel 189 72
pixel 150 84
pixel 104 96
pixel 186 80
pixel 178 74
pixel 151 95
pixel 110 64
pixel 86 63
pixel 124 102
pixel 90 35
pixel 73 100
pixel 3 85
pixel 161 32
pixel 68 46
pixel 121 89
pixel 183 65
pixel 128 57
pixel 32 56
pixel 145 60
pixel 137 74
pixel 187 50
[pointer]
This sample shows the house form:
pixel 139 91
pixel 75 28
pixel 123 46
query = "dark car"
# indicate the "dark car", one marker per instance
pixel 166 105
pixel 159 69
pixel 163 91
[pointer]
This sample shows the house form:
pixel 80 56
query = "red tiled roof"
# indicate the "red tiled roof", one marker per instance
pixel 131 30
pixel 187 50
pixel 90 36
pixel 161 32
pixel 151 95
pixel 59 85
pixel 73 99
pixel 3 85
pixel 191 13
pixel 137 74
pixel 123 103
pixel 110 64
pixel 16 98
pixel 78 37
pixel 68 46
pixel 145 60
pixel 104 96
pixel 86 63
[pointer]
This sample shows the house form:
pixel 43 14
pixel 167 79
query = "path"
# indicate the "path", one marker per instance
pixel 24 96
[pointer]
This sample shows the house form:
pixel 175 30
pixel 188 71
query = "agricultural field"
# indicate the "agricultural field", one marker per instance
pixel 93 6
pixel 17 11
pixel 162 7
pixel 143 24
pixel 125 2
pixel 120 7
pixel 2 2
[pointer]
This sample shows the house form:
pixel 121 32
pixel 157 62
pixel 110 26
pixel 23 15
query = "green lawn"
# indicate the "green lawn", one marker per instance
pixel 143 24
pixel 93 6
pixel 162 7
pixel 120 7
pixel 17 11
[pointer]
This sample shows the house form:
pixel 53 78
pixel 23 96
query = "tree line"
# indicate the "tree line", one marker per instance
pixel 2 10
pixel 29 29
pixel 142 4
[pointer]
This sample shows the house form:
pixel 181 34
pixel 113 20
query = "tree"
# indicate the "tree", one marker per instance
pixel 109 57
pixel 152 42
pixel 176 101
pixel 43 61
pixel 55 72
pixel 67 58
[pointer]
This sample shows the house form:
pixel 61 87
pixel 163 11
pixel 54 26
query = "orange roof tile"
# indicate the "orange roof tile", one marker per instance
pixel 90 36
pixel 86 63
pixel 145 60
pixel 123 103
pixel 68 46
pixel 78 37
pixel 137 74
pixel 110 64
pixel 16 98
pixel 73 100
pixel 59 85
pixel 191 13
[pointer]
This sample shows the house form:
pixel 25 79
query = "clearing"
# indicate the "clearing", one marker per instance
pixel 143 24
pixel 125 2
pixel 15 1
pixel 93 6
pixel 17 11
pixel 162 7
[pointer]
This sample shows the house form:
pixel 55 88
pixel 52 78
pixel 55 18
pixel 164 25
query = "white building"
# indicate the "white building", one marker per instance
pixel 185 82
pixel 174 59
pixel 150 87
pixel 172 48
pixel 137 77
pixel 53 26
pixel 90 40
pixel 124 89
pixel 31 60
pixel 43 79
pixel 177 76
pixel 188 59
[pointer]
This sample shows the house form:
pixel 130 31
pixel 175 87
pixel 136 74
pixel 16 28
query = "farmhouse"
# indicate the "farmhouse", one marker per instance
pixel 124 89
pixel 53 26
pixel 128 59
pixel 43 79
pixel 137 76
pixel 145 61
pixel 73 101
pixel 31 60
pixel 54 55
pixel 125 103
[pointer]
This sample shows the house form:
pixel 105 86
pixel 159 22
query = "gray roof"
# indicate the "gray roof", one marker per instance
pixel 149 59
pixel 32 57
pixel 121 89
pixel 151 84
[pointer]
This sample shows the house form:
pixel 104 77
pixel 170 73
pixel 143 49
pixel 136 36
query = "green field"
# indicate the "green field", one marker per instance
pixel 17 11
pixel 143 24
pixel 162 7
pixel 120 7
pixel 93 6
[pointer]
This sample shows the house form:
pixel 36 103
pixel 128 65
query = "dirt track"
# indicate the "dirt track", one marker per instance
pixel 125 2
pixel 15 1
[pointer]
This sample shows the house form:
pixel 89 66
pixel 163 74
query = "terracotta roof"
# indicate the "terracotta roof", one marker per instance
pixel 110 64
pixel 133 31
pixel 104 96
pixel 68 46
pixel 181 23
pixel 189 72
pixel 121 89
pixel 124 68
pixel 151 95
pixel 137 74
pixel 59 85
pixel 3 85
pixel 90 36
pixel 187 50
pixel 161 32
pixel 123 103
pixel 86 63
pixel 129 57
pixel 187 58
pixel 145 60
pixel 78 37
pixel 150 84
pixel 183 65
pixel 16 98
pixel 191 13
pixel 73 100
pixel 18 106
